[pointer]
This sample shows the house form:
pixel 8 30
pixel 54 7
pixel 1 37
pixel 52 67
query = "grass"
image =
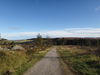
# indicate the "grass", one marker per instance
pixel 80 60
pixel 10 60
pixel 22 41
pixel 26 66
pixel 17 62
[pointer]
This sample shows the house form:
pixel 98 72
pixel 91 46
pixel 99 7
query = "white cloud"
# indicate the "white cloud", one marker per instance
pixel 83 29
pixel 69 32
pixel 98 8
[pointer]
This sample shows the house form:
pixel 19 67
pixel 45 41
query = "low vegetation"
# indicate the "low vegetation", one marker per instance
pixel 81 60
pixel 16 62
pixel 16 58
pixel 82 55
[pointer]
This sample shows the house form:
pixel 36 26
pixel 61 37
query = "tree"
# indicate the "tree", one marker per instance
pixel 48 41
pixel 63 41
pixel 12 43
pixel 39 41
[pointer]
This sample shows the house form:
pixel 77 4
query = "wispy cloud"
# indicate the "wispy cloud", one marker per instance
pixel 83 29
pixel 69 32
pixel 14 28
pixel 98 8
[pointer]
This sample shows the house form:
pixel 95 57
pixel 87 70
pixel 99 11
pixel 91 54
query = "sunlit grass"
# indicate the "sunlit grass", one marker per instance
pixel 81 61
pixel 17 62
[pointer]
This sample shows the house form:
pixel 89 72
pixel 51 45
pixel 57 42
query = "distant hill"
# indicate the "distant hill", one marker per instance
pixel 5 41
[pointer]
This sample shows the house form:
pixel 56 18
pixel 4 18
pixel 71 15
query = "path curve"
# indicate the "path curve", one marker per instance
pixel 49 65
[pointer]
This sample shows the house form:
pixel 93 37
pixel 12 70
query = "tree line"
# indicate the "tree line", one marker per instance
pixel 41 42
pixel 77 41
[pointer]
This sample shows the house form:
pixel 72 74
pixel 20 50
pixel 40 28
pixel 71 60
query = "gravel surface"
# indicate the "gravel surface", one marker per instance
pixel 49 65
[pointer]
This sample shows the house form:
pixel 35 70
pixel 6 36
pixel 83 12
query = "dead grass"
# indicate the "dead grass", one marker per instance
pixel 82 61
pixel 16 62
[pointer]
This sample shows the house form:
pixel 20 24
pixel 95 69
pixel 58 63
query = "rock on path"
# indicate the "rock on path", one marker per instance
pixel 49 65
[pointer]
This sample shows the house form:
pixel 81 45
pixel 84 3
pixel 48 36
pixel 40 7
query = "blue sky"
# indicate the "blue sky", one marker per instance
pixel 22 19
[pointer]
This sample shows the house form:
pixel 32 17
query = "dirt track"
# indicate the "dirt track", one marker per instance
pixel 49 65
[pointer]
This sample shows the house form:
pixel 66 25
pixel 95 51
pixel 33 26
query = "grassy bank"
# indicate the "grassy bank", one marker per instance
pixel 17 62
pixel 80 60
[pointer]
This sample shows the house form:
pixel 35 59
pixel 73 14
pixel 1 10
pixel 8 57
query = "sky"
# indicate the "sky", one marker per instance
pixel 23 19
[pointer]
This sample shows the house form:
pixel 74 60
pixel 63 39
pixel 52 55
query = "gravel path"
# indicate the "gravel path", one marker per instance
pixel 49 65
